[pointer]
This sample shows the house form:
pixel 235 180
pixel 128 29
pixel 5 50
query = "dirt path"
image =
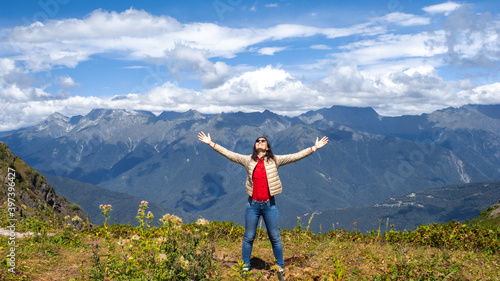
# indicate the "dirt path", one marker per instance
pixel 7 232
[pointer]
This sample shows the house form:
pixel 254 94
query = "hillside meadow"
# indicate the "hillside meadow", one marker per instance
pixel 203 250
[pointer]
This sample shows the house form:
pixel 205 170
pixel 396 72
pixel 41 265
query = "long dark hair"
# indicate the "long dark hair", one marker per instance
pixel 269 151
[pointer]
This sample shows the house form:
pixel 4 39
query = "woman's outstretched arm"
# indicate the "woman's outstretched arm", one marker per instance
pixel 234 157
pixel 290 158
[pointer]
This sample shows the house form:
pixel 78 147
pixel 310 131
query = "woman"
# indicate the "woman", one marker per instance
pixel 262 185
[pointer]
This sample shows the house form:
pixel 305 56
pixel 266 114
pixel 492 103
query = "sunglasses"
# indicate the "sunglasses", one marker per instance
pixel 262 141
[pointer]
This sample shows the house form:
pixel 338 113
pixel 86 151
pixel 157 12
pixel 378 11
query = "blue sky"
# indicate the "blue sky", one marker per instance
pixel 397 56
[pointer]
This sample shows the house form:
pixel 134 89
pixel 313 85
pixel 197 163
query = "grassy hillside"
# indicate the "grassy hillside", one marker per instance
pixel 489 217
pixel 212 250
pixel 25 193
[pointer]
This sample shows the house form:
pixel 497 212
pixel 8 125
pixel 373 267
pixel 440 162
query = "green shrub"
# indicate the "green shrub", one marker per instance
pixel 75 207
pixel 174 251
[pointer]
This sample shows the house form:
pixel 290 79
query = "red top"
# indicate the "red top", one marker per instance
pixel 260 187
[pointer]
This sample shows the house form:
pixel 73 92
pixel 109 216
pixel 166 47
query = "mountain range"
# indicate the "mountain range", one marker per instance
pixel 461 202
pixel 369 159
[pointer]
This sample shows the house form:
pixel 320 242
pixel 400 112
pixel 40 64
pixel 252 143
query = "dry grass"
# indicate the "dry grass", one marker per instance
pixel 305 259
pixel 325 260
pixel 450 251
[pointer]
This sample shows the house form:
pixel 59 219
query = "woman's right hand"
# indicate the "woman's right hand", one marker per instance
pixel 205 138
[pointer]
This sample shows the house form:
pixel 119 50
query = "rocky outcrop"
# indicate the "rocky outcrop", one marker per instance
pixel 495 213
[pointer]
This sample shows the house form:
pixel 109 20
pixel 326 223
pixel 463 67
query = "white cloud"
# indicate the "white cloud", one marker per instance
pixel 471 39
pixel 99 24
pixel 271 5
pixel 67 82
pixel 405 19
pixel 264 88
pixel 134 67
pixel 413 90
pixel 485 94
pixel 139 35
pixel 320 47
pixel 13 92
pixel 185 57
pixel 270 50
pixel 444 8
pixel 393 47
pixel 7 66
pixel 465 84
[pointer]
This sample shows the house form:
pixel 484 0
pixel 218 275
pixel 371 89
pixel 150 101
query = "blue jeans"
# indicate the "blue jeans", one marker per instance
pixel 253 213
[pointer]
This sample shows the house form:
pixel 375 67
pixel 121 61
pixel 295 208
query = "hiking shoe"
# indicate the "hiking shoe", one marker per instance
pixel 245 271
pixel 281 275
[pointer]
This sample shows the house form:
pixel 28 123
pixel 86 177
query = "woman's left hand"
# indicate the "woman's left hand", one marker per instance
pixel 205 138
pixel 320 143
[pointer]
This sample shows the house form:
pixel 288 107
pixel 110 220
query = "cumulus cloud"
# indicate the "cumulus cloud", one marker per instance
pixel 13 92
pixel 185 57
pixel 413 90
pixel 16 86
pixel 485 94
pixel 6 66
pixel 472 39
pixel 268 87
pixel 66 82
